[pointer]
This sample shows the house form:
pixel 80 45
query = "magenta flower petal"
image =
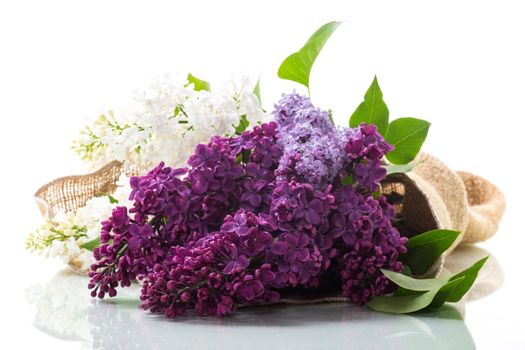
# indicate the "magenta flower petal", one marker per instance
pixel 229 227
pixel 312 216
pixel 279 248
pixel 242 262
pixel 229 268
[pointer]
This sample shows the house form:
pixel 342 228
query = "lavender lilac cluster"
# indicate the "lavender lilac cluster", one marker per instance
pixel 293 203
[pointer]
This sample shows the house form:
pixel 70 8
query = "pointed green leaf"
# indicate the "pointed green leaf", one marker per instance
pixel 372 110
pixel 413 301
pixel 424 249
pixel 445 292
pixel 298 65
pixel 407 135
pixel 402 304
pixel 91 244
pixel 198 84
pixel 402 291
pixel 413 284
pixel 396 169
pixel 467 277
pixel 412 295
pixel 257 90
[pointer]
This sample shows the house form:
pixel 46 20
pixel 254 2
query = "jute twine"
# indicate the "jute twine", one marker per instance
pixel 430 196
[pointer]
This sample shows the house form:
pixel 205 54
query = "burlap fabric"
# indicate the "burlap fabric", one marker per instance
pixel 430 196
pixel 69 193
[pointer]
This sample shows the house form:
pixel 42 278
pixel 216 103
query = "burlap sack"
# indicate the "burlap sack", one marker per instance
pixel 430 196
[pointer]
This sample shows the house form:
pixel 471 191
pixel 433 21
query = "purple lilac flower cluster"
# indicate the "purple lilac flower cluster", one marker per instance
pixel 313 149
pixel 366 240
pixel 217 272
pixel 130 246
pixel 266 211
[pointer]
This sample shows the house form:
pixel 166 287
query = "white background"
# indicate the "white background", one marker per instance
pixel 458 64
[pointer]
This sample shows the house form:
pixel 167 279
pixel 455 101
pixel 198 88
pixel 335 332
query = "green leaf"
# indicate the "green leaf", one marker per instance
pixel 372 110
pixel 444 292
pixel 298 65
pixel 407 136
pixel 257 90
pixel 91 244
pixel 402 304
pixel 467 277
pixel 243 125
pixel 396 169
pixel 414 301
pixel 412 294
pixel 198 84
pixel 413 284
pixel 406 270
pixel 424 249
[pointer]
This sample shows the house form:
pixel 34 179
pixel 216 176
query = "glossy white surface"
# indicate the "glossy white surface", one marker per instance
pixel 120 324
pixel 63 310
pixel 458 64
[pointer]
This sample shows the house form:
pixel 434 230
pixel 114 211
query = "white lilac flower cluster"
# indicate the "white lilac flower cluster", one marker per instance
pixel 64 234
pixel 170 120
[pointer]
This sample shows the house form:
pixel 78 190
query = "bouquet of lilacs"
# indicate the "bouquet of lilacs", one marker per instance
pixel 241 208
pixel 167 121
pixel 254 214
pixel 291 204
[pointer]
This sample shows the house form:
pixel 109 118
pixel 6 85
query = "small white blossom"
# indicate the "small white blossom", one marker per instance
pixel 56 249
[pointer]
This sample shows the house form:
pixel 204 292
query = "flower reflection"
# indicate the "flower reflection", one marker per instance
pixel 61 306
pixel 64 310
